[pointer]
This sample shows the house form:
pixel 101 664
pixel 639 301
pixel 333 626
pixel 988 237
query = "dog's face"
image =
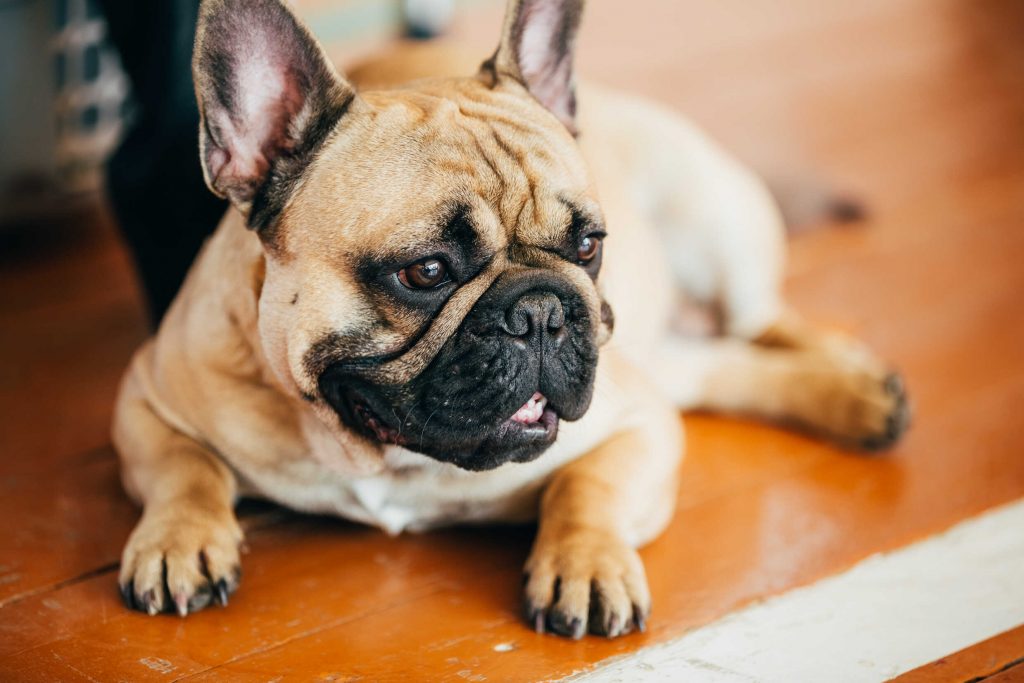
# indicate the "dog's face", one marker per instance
pixel 433 252
pixel 444 249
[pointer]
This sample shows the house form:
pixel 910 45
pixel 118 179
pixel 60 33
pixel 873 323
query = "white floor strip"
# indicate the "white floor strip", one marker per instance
pixel 889 614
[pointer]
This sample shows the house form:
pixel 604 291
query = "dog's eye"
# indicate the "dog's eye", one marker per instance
pixel 588 249
pixel 425 274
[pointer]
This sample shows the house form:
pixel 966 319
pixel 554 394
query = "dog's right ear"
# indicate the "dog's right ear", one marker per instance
pixel 268 97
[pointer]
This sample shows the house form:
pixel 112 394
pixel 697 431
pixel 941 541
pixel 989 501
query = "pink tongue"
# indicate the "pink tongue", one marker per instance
pixel 532 410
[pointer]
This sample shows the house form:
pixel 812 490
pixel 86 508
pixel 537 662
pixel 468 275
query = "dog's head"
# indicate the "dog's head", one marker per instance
pixel 432 252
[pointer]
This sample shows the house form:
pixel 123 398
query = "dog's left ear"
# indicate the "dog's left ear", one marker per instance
pixel 268 98
pixel 536 49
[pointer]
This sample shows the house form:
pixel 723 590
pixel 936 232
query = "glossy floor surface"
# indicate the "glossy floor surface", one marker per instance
pixel 915 105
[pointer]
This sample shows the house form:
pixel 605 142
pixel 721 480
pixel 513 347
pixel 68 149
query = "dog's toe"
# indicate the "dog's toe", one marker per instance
pixel 585 582
pixel 612 610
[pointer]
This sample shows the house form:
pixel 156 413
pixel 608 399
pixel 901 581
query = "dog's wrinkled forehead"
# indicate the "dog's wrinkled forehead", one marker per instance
pixel 395 174
pixel 278 119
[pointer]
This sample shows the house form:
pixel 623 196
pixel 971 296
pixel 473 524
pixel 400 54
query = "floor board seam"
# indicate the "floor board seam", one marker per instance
pixel 992 674
pixel 78 578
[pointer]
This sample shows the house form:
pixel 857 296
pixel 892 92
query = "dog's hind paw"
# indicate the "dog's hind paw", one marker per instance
pixel 864 409
pixel 584 581
pixel 887 424
pixel 832 384
pixel 180 563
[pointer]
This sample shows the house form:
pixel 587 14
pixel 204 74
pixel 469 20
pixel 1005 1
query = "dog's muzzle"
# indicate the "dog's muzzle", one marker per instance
pixel 523 359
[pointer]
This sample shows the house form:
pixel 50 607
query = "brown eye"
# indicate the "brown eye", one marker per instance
pixel 589 247
pixel 425 274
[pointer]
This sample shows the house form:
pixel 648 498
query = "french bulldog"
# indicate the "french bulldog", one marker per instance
pixel 406 317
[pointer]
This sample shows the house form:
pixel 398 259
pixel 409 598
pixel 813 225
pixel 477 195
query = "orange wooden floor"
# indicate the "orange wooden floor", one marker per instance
pixel 916 105
pixel 1000 658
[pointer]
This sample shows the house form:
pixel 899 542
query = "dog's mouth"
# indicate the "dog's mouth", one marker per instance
pixel 534 422
pixel 535 417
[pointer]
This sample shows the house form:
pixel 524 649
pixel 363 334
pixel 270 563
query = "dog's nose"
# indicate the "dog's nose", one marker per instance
pixel 534 317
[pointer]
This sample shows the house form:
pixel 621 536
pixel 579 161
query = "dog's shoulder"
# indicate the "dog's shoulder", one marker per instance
pixel 206 353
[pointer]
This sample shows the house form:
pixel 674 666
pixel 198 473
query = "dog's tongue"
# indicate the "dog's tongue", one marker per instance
pixel 532 410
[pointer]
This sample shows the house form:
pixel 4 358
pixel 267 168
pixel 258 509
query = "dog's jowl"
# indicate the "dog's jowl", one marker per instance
pixel 414 293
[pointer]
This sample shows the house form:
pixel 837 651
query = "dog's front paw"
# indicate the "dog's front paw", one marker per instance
pixel 583 580
pixel 180 561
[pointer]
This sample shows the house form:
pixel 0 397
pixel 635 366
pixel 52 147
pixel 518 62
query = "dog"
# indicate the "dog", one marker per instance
pixel 406 318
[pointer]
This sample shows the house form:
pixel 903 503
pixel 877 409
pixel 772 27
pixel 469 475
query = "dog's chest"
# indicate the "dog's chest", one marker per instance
pixel 413 493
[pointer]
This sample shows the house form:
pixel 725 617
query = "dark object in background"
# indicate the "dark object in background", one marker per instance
pixel 154 178
pixel 425 19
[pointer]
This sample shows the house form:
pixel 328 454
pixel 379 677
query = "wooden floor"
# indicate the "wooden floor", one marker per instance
pixel 915 105
pixel 997 659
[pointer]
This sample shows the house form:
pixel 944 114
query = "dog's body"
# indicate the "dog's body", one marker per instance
pixel 247 390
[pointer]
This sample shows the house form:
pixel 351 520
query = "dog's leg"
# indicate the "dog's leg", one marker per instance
pixel 791 331
pixel 183 553
pixel 851 398
pixel 772 363
pixel 725 242
pixel 584 572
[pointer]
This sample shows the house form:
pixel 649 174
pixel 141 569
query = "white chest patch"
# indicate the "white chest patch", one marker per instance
pixel 413 492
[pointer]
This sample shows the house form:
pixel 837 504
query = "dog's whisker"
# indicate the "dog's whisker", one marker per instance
pixel 400 423
pixel 424 430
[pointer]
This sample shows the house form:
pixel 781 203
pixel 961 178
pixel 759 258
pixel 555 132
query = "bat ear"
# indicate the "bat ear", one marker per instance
pixel 536 49
pixel 268 98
